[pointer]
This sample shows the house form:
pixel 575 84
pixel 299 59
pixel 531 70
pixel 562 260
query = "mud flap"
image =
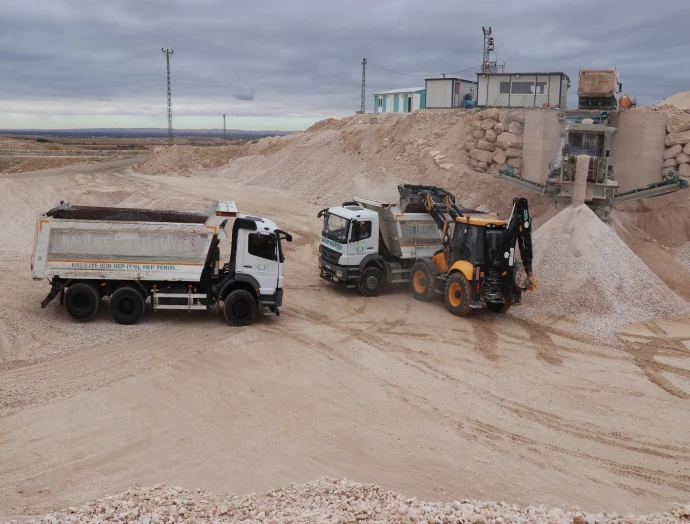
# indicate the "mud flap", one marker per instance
pixel 55 290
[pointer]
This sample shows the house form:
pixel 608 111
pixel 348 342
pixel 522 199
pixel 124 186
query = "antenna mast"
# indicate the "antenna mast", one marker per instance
pixel 488 47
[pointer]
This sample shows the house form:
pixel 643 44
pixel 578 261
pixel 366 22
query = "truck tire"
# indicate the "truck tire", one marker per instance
pixel 371 282
pixel 458 294
pixel 82 301
pixel 127 305
pixel 423 280
pixel 239 308
pixel 498 307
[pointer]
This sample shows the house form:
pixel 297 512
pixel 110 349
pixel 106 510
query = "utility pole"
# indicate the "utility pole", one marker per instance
pixel 488 47
pixel 223 127
pixel 364 78
pixel 167 53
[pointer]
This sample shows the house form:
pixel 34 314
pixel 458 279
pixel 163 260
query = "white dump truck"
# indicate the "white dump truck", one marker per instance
pixel 173 257
pixel 368 244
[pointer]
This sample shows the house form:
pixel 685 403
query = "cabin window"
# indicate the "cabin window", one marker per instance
pixel 262 246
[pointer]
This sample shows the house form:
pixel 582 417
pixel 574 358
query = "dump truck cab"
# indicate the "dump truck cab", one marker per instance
pixel 349 238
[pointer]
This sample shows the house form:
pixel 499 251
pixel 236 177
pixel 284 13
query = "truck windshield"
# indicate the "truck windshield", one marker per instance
pixel 335 228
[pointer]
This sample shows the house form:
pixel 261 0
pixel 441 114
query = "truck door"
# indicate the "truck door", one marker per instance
pixel 362 241
pixel 259 252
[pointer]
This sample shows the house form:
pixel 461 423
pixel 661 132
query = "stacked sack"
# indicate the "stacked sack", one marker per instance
pixel 677 154
pixel 496 140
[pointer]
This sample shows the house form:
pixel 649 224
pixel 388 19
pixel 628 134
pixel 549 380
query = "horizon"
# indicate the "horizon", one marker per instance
pixel 162 129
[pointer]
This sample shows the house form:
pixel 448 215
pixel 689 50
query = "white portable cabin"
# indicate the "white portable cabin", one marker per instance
pixel 448 93
pixel 522 89
pixel 404 100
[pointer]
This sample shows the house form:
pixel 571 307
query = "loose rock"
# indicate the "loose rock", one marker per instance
pixel 516 128
pixel 481 155
pixel 486 145
pixel 325 500
pixel 490 114
pixel 506 140
pixel 673 152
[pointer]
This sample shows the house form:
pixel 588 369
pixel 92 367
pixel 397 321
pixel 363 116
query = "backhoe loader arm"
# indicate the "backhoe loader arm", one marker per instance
pixel 519 229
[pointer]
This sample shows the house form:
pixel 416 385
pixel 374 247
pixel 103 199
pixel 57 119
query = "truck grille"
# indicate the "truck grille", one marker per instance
pixel 329 255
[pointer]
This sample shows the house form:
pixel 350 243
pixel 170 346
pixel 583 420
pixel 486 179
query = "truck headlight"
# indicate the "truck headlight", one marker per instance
pixel 339 274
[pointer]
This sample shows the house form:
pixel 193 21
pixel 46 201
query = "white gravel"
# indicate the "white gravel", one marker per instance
pixel 683 256
pixel 586 272
pixel 326 501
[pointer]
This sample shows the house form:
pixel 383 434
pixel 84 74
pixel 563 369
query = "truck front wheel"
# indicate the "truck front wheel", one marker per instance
pixel 82 301
pixel 239 308
pixel 127 305
pixel 371 282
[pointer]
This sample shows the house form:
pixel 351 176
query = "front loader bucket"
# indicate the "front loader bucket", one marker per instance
pixel 413 197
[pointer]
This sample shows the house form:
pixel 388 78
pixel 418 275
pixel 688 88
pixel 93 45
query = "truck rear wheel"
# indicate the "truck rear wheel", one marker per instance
pixel 127 305
pixel 239 308
pixel 371 282
pixel 82 301
pixel 423 280
pixel 498 307
pixel 458 294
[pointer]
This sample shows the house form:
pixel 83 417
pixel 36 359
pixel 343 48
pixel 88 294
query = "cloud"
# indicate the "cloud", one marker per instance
pixel 304 57
pixel 245 94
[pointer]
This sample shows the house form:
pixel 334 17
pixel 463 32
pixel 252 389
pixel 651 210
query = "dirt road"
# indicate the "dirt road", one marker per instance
pixel 384 390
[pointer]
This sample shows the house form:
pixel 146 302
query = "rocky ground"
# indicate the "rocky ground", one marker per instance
pixel 329 501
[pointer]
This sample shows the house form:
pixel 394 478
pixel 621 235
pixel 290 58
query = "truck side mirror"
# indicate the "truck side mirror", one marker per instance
pixel 620 87
pixel 322 213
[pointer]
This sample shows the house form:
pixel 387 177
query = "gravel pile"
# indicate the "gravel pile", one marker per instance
pixel 328 501
pixel 304 164
pixel 683 256
pixel 585 271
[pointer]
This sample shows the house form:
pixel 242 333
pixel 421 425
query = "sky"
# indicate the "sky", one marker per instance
pixel 282 65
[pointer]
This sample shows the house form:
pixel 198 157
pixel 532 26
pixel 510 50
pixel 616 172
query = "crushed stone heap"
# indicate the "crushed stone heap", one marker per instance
pixel 328 501
pixel 586 272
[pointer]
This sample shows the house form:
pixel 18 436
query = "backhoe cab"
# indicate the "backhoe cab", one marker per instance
pixel 477 265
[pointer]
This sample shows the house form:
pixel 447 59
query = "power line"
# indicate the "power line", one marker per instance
pixel 167 53
pixel 342 102
pixel 421 75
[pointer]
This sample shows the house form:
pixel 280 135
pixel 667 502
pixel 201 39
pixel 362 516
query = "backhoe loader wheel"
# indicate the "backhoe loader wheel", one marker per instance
pixel 371 282
pixel 423 280
pixel 498 307
pixel 458 295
